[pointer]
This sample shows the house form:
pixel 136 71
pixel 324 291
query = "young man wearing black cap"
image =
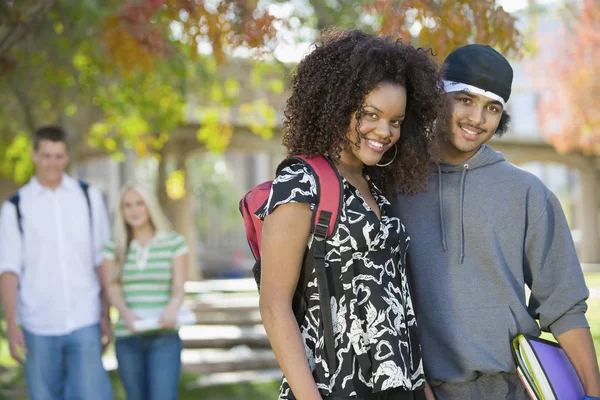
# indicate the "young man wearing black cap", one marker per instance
pixel 483 231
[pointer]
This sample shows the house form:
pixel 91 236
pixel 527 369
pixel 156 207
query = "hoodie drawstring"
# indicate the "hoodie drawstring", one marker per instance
pixel 485 156
pixel 462 202
pixel 460 211
pixel 441 201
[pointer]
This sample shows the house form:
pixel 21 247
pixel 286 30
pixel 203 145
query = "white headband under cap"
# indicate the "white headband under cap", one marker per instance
pixel 451 86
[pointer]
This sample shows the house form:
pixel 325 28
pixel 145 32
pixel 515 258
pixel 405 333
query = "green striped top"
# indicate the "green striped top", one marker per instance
pixel 146 278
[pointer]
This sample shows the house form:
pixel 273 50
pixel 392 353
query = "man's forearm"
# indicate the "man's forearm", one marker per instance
pixel 579 346
pixel 101 271
pixel 9 290
pixel 105 303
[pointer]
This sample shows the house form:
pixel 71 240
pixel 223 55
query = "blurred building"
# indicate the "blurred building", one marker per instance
pixel 573 177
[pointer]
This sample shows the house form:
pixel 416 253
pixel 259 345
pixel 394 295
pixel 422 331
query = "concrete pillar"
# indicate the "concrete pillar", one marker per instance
pixel 183 217
pixel 590 237
pixel 237 160
pixel 161 186
pixel 128 167
pixel 275 158
pixel 113 186
pixel 262 168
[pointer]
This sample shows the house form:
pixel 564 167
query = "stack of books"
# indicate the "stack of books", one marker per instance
pixel 545 369
pixel 149 320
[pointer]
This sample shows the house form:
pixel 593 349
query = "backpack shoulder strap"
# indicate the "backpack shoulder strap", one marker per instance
pixel 325 220
pixel 85 187
pixel 15 199
pixel 326 214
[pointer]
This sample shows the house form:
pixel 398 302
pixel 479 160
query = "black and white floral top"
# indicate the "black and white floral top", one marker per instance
pixel 372 311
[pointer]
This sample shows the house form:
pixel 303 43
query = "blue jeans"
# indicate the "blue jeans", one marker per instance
pixel 150 365
pixel 66 366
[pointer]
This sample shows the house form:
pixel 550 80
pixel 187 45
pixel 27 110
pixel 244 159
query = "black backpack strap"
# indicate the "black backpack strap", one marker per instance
pixel 319 244
pixel 326 215
pixel 85 187
pixel 15 199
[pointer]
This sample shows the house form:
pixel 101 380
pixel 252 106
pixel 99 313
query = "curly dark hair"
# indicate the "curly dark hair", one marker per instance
pixel 332 82
pixel 503 124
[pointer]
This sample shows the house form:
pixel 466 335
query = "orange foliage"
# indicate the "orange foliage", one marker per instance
pixel 141 32
pixel 124 48
pixel 569 111
pixel 447 24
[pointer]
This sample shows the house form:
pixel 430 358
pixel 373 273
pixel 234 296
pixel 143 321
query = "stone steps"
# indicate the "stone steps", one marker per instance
pixel 229 343
pixel 223 336
pixel 205 362
pixel 228 317
pixel 221 286
pixel 228 378
pixel 240 358
pixel 226 309
pixel 223 302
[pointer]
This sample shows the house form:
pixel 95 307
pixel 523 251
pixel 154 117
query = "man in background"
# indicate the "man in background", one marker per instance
pixel 51 237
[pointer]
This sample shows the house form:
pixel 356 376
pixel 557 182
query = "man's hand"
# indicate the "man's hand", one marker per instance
pixel 16 343
pixel 579 346
pixel 105 331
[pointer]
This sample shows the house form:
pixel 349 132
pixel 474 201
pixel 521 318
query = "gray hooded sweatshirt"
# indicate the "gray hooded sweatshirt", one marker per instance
pixel 482 231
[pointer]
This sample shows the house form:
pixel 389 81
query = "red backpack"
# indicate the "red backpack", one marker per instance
pixel 326 213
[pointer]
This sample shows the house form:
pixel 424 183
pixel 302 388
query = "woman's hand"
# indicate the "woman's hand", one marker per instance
pixel 429 392
pixel 129 318
pixel 168 319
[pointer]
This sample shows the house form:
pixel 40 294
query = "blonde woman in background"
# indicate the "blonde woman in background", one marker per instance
pixel 147 264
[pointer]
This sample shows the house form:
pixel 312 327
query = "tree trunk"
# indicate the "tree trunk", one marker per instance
pixel 18 24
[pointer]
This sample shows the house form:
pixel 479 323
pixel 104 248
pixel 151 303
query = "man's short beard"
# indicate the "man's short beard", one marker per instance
pixel 443 124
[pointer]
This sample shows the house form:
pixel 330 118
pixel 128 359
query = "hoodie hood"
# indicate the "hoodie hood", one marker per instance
pixel 485 156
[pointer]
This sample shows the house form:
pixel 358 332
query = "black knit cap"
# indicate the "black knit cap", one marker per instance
pixel 480 66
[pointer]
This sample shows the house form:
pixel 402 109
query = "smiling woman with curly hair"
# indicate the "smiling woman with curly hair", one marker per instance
pixel 368 104
pixel 329 90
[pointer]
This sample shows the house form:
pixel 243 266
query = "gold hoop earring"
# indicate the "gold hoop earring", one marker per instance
pixel 392 160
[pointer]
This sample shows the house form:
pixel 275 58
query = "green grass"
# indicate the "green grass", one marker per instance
pixel 5 358
pixel 246 391
pixel 593 316
pixel 241 391
pixel 593 279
